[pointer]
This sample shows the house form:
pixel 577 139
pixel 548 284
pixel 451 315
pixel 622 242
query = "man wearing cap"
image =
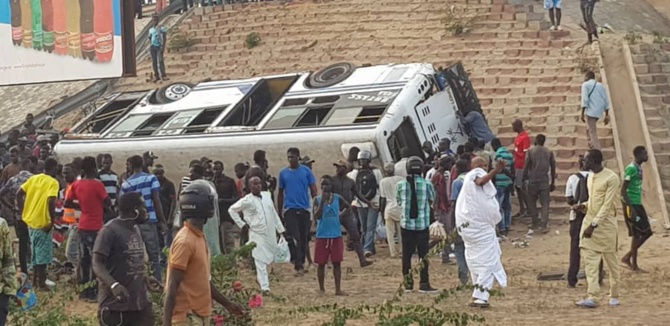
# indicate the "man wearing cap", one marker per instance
pixel 24 151
pixel 42 140
pixel 148 158
pixel 388 205
pixel 367 180
pixel 307 161
pixel 346 187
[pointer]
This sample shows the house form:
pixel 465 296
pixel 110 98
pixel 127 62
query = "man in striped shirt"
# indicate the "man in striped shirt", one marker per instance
pixel 111 182
pixel 503 182
pixel 147 185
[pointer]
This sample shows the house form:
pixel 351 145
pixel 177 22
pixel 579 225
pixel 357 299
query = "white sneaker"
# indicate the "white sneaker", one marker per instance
pixel 49 283
pixel 552 28
pixel 614 302
pixel 559 28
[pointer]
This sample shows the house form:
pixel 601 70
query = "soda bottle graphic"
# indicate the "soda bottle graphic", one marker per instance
pixel 37 23
pixel 60 26
pixel 104 30
pixel 27 23
pixel 17 29
pixel 48 25
pixel 73 21
pixel 86 24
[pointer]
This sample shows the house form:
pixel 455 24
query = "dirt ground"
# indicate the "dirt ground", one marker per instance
pixel 662 6
pixel 526 301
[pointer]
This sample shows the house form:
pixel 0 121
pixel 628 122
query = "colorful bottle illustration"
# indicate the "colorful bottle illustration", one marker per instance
pixel 27 23
pixel 17 29
pixel 73 21
pixel 48 25
pixel 60 26
pixel 86 26
pixel 104 30
pixel 37 23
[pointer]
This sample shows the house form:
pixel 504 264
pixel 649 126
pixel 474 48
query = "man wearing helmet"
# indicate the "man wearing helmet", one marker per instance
pixel 415 195
pixel 367 180
pixel 190 290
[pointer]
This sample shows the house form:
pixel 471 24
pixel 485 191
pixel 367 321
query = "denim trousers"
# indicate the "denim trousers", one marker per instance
pixel 504 200
pixel 157 62
pixel 459 252
pixel 368 216
pixel 85 266
pixel 151 243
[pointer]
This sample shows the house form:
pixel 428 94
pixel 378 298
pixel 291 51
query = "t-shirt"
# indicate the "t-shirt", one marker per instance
pixel 167 194
pixel 456 187
pixel 39 188
pixel 146 184
pixel 521 145
pixel 227 190
pixel 296 183
pixel 388 189
pixel 190 254
pixel 91 195
pixel 123 249
pixel 571 189
pixel 633 174
pixel 111 181
pixel 378 177
pixel 401 168
pixel 328 226
pixel 502 179
pixel 478 127
pixel 157 35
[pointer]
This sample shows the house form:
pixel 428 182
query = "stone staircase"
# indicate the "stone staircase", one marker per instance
pixel 518 68
pixel 652 69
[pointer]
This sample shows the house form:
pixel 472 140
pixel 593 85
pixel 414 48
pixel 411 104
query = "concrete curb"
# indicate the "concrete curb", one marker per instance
pixel 628 58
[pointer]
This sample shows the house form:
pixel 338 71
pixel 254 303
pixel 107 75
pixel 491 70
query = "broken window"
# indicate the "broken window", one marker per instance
pixel 152 124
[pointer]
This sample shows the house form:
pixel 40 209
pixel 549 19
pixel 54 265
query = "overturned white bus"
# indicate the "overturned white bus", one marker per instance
pixel 379 108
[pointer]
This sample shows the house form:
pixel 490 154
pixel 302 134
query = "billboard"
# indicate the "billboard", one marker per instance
pixel 60 40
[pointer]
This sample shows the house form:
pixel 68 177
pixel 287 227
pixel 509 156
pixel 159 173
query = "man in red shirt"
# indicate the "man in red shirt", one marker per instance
pixel 93 200
pixel 521 146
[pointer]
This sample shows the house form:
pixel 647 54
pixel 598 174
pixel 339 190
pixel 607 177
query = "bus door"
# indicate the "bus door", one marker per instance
pixel 437 119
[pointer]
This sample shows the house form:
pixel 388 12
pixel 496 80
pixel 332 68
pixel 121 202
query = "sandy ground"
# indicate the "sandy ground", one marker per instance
pixel 526 301
pixel 662 6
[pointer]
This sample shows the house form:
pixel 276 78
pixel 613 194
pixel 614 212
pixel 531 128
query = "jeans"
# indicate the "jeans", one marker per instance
pixel 505 203
pixel 538 192
pixel 587 8
pixel 298 226
pixel 4 309
pixel 459 252
pixel 157 62
pixel 414 241
pixel 24 244
pixel 150 238
pixel 72 246
pixel 368 216
pixel 227 237
pixel 144 317
pixel 86 243
pixel 350 223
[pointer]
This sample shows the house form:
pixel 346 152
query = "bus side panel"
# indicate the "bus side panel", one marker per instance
pixel 438 119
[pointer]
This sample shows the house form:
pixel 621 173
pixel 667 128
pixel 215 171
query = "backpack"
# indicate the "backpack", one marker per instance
pixel 366 183
pixel 582 192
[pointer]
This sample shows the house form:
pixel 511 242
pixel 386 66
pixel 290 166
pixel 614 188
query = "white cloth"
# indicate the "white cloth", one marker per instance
pixel 378 176
pixel 485 281
pixel 262 275
pixel 401 168
pixel 388 190
pixel 263 221
pixel 211 229
pixel 430 174
pixel 571 188
pixel 478 208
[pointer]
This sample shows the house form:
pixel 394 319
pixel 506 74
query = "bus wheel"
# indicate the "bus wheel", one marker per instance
pixel 173 92
pixel 331 75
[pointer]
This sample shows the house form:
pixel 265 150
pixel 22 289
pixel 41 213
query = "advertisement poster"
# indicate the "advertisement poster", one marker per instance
pixel 59 40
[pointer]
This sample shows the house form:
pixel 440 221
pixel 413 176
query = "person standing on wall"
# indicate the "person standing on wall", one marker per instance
pixel 595 103
pixel 158 39
pixel 554 8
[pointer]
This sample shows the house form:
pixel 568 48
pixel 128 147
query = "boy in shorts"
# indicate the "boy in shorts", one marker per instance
pixel 634 213
pixel 554 7
pixel 328 207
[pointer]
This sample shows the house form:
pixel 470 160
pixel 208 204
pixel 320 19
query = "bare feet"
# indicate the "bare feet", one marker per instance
pixel 322 291
pixel 626 263
pixel 341 293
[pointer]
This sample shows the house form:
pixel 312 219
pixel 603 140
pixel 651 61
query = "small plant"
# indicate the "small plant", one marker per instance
pixel 252 40
pixel 660 39
pixel 458 21
pixel 632 37
pixel 179 40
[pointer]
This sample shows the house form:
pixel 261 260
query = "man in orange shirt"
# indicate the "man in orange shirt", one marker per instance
pixel 521 146
pixel 188 301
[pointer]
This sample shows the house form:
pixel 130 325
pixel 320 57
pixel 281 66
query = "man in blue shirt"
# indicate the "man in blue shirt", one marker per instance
pixel 462 168
pixel 158 38
pixel 328 208
pixel 148 185
pixel 296 184
pixel 476 126
pixel 595 103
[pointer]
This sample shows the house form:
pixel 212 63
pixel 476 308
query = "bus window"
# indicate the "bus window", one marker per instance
pixel 203 121
pixel 131 123
pixel 284 117
pixel 148 127
pixel 326 99
pixel 356 115
pixel 314 116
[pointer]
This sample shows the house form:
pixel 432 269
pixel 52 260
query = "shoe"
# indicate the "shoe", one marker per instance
pixel 50 284
pixel 426 288
pixel 559 28
pixel 368 254
pixel 366 263
pixel 478 303
pixel 586 303
pixel 614 302
pixel 552 28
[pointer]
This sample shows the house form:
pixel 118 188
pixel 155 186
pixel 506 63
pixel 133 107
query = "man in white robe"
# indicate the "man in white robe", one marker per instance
pixel 263 223
pixel 477 207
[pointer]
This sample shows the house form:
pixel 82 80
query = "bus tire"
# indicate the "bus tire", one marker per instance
pixel 173 92
pixel 331 75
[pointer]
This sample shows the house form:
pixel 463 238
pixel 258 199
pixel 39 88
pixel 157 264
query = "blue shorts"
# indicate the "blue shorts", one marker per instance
pixel 42 249
pixel 550 4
